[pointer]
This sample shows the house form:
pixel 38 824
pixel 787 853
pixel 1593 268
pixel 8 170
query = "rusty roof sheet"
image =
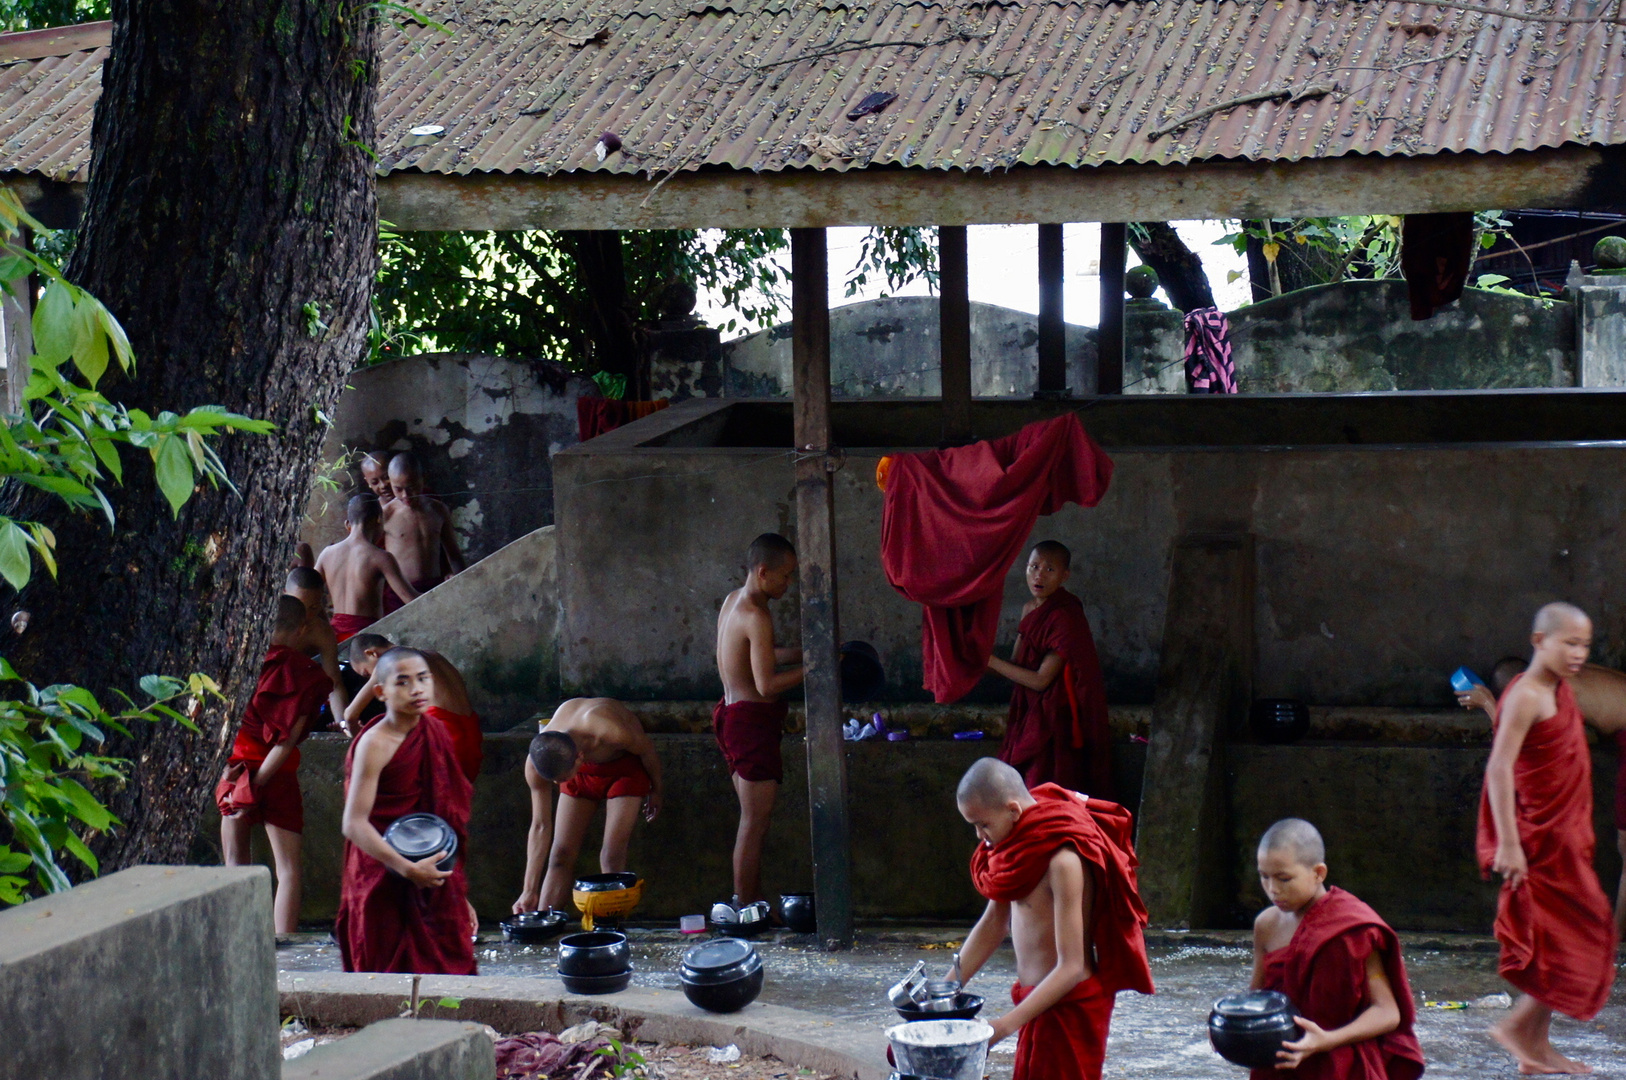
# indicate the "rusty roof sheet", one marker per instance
pixel 530 85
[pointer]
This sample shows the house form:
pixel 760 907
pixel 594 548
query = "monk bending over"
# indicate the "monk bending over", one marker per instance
pixel 306 585
pixel 1337 961
pixel 357 570
pixel 448 702
pixel 1535 829
pixel 396 914
pixel 750 720
pixel 1058 870
pixel 279 716
pixel 596 750
pixel 1057 732
pixel 418 532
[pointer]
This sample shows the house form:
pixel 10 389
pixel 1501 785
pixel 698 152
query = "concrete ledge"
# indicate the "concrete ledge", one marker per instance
pixel 401 1050
pixel 514 1005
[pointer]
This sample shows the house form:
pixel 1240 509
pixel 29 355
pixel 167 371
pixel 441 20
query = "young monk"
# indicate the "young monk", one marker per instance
pixel 375 473
pixel 418 532
pixel 396 914
pixel 306 585
pixel 750 720
pixel 1057 732
pixel 1058 871
pixel 1337 961
pixel 1535 829
pixel 448 701
pixel 279 716
pixel 596 750
pixel 356 570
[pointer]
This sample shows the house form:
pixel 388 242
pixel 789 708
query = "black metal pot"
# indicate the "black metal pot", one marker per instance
pixel 797 910
pixel 1279 720
pixel 1248 1029
pixel 535 927
pixel 417 836
pixel 723 975
pixel 625 879
pixel 966 1007
pixel 862 675
pixel 596 984
pixel 602 952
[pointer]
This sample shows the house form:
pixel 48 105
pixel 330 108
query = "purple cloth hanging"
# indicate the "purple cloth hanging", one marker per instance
pixel 1209 369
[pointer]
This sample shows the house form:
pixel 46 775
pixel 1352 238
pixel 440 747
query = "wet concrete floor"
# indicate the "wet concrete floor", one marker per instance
pixel 1159 1036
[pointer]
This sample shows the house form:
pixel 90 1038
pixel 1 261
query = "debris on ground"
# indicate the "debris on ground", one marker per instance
pixel 722 1055
pixel 542 1055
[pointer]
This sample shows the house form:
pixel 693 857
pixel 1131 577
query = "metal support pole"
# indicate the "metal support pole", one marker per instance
pixel 954 332
pixel 816 562
pixel 1109 355
pixel 1052 328
pixel 16 335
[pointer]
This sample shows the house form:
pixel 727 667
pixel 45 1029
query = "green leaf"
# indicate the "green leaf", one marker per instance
pixel 107 450
pixel 15 565
pixel 14 862
pixel 13 267
pixel 161 687
pixel 89 342
pixel 85 805
pixel 174 469
pixel 53 326
pixel 76 847
pixel 115 336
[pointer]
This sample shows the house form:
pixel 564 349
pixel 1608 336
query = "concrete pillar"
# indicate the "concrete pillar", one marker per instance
pixel 954 332
pixel 401 1050
pixel 1052 327
pixel 16 339
pixel 1205 676
pixel 1109 363
pixel 1600 328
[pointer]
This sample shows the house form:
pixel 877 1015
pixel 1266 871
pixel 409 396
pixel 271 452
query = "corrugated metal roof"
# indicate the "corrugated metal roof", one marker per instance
pixel 530 85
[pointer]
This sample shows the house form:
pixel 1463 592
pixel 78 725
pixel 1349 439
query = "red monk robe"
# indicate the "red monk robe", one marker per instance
pixel 385 923
pixel 1060 735
pixel 291 688
pixel 1068 1041
pixel 1323 971
pixel 468 740
pixel 1557 930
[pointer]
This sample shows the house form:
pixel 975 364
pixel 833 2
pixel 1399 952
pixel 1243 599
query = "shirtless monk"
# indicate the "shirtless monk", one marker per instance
pixel 418 532
pixel 375 473
pixel 306 585
pixel 356 570
pixel 750 720
pixel 279 716
pixel 1337 961
pixel 1057 731
pixel 596 750
pixel 1535 829
pixel 1058 871
pixel 448 700
pixel 396 914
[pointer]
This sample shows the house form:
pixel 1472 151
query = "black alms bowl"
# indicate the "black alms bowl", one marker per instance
pixel 966 1007
pixel 603 952
pixel 597 984
pixel 418 836
pixel 1279 720
pixel 798 912
pixel 722 975
pixel 625 879
pixel 534 927
pixel 1248 1029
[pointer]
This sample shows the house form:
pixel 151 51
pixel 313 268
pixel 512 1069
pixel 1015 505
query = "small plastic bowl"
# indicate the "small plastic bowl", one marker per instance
pixel 692 924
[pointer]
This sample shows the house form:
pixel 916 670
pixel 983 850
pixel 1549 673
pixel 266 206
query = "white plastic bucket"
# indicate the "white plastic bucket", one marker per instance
pixel 942 1049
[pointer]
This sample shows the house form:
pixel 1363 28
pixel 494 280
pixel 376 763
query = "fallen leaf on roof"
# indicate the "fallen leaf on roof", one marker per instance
pixel 597 37
pixel 825 145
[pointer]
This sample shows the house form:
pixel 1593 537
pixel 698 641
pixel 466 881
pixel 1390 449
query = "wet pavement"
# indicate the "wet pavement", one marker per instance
pixel 1160 1036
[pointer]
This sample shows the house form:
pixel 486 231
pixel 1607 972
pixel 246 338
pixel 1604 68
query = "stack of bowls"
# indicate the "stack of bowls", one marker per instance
pixel 418 836
pixel 722 975
pixel 596 963
pixel 606 896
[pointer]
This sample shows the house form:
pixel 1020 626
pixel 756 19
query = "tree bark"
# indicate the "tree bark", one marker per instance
pixel 1179 269
pixel 230 225
pixel 602 270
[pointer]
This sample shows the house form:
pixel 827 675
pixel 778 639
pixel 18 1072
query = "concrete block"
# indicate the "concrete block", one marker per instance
pixel 1601 331
pixel 153 972
pixel 401 1050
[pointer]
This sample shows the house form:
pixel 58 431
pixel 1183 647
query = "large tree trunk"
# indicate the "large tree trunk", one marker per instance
pixel 230 212
pixel 1179 269
pixel 602 268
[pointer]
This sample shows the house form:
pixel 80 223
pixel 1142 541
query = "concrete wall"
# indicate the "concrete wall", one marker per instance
pixel 151 972
pixel 402 1049
pixel 1600 327
pixel 485 428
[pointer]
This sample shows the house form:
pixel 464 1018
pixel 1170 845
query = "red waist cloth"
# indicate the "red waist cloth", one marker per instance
pixel 1100 832
pixel 385 923
pixel 749 733
pixel 291 688
pixel 468 741
pixel 346 627
pixel 1323 971
pixel 623 777
pixel 1557 930
pixel 1068 1041
pixel 1060 735
pixel 954 521
pixel 420 586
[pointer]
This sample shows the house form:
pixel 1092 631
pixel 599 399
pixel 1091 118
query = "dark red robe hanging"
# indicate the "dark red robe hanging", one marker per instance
pixel 1060 735
pixel 1557 930
pixel 386 923
pixel 954 521
pixel 1323 971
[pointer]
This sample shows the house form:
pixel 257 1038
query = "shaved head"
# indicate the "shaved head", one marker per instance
pixel 291 614
pixel 990 782
pixel 392 659
pixel 1558 616
pixel 406 465
pixel 360 643
pixel 362 509
pixel 304 578
pixel 553 755
pixel 1297 839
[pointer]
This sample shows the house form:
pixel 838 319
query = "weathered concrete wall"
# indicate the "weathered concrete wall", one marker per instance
pixel 485 428
pixel 151 972
pixel 498 621
pixel 402 1049
pixel 1359 335
pixel 1379 570
pixel 1601 328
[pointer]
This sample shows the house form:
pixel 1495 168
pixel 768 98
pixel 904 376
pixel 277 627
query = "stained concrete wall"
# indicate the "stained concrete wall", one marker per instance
pixel 485 428
pixel 1600 327
pixel 402 1049
pixel 150 972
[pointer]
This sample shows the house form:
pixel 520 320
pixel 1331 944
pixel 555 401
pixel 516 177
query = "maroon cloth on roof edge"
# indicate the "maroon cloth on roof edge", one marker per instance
pixel 954 521
pixel 1436 251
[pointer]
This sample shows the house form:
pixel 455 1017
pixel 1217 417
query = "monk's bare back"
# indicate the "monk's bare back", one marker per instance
pixel 741 623
pixel 603 729
pixel 354 570
pixel 1033 925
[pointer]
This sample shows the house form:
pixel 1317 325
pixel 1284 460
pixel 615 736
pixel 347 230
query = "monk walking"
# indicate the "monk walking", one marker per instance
pixel 1535 829
pixel 396 914
pixel 750 720
pixel 1057 731
pixel 1058 871
pixel 418 532
pixel 357 570
pixel 596 750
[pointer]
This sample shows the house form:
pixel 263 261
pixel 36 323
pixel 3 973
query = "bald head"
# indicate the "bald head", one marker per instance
pixel 1295 838
pixel 1557 617
pixel 393 659
pixel 303 578
pixel 989 783
pixel 406 466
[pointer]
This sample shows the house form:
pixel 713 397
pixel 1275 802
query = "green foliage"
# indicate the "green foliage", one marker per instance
pixel 897 255
pixel 38 14
pixel 623 1060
